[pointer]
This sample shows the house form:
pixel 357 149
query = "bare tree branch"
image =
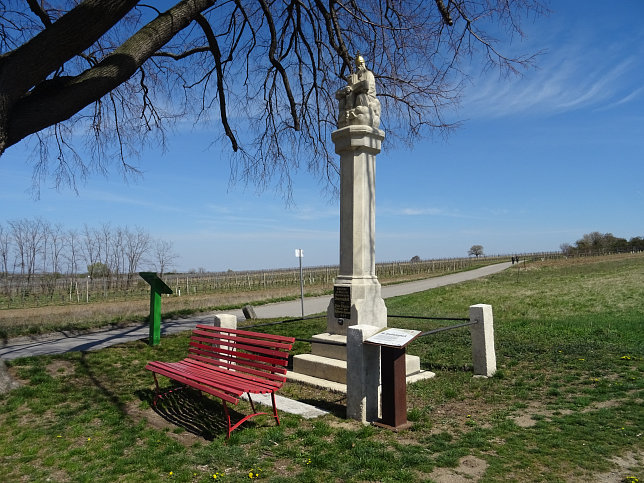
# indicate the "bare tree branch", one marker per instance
pixel 216 53
pixel 265 71
pixel 40 12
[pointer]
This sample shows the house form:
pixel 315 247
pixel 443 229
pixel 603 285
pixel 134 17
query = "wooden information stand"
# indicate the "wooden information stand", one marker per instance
pixel 157 287
pixel 392 344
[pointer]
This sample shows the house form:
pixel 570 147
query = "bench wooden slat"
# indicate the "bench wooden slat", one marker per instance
pixel 245 344
pixel 278 338
pixel 267 364
pixel 231 364
pixel 173 374
pixel 235 380
pixel 227 363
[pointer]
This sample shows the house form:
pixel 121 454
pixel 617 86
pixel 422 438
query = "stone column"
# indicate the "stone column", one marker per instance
pixel 363 374
pixel 483 353
pixel 357 298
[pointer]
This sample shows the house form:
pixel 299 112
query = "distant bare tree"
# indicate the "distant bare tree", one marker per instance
pixel 28 237
pixel 89 246
pixel 136 244
pixel 53 246
pixel 105 239
pixel 117 259
pixel 5 247
pixel 566 248
pixel 72 255
pixel 164 256
pixel 475 250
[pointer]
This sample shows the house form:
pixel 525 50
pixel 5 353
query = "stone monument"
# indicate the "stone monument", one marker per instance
pixel 356 294
pixel 357 299
pixel 339 359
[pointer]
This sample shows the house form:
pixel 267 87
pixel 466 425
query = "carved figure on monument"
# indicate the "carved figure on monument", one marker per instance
pixel 357 101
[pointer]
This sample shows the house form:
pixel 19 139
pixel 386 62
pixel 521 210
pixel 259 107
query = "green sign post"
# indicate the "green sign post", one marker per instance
pixel 157 287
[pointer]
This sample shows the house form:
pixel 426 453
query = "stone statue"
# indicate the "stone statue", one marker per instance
pixel 357 101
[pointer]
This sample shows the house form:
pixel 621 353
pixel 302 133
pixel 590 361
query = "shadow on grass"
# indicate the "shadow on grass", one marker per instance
pixel 191 410
pixel 429 366
pixel 338 407
pixel 109 394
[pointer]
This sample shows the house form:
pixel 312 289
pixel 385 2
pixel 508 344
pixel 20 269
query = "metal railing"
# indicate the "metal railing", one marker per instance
pixel 326 342
pixel 439 329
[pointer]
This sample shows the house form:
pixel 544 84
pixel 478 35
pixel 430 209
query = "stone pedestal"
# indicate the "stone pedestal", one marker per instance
pixel 357 298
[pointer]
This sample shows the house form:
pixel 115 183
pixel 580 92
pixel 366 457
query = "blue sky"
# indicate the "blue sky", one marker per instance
pixel 539 161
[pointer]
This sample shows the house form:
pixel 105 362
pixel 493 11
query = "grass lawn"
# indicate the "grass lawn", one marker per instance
pixel 567 402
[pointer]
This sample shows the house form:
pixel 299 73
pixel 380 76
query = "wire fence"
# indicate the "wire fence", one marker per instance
pixel 335 343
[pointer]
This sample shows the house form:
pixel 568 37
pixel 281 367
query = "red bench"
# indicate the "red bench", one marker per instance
pixel 227 363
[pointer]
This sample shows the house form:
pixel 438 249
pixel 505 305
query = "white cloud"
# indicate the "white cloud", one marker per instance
pixel 576 72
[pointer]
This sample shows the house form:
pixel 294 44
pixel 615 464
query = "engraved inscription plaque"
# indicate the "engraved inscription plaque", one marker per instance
pixel 342 302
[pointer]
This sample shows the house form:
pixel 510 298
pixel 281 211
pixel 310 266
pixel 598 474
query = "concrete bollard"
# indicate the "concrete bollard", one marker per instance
pixel 483 354
pixel 249 312
pixel 363 374
pixel 225 321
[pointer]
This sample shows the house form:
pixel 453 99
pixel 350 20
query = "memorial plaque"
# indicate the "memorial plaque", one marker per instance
pixel 342 302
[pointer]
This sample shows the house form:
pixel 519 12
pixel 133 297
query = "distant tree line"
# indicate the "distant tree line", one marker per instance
pixel 36 247
pixel 596 242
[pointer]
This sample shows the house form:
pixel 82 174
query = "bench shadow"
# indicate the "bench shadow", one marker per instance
pixel 192 411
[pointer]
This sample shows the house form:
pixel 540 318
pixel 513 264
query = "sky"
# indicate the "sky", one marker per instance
pixel 538 161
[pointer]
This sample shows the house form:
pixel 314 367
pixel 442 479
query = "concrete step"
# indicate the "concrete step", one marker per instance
pixel 412 364
pixel 316 382
pixel 329 350
pixel 335 369
pixel 342 388
pixel 322 367
pixel 322 349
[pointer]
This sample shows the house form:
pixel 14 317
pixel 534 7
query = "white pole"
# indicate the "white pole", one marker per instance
pixel 299 253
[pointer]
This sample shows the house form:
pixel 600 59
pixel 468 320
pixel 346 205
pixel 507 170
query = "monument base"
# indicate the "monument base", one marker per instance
pixel 360 303
pixel 326 365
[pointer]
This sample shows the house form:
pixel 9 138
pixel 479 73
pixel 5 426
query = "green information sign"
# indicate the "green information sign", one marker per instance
pixel 157 287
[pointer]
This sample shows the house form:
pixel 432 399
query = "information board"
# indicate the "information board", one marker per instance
pixel 393 337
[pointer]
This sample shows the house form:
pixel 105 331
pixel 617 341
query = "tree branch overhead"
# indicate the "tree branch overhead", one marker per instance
pixel 265 71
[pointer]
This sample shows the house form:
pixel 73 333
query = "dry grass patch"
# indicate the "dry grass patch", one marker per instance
pixel 469 468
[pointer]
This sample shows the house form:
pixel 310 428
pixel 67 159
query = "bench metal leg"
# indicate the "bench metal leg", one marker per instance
pixel 250 399
pixel 157 393
pixel 230 430
pixel 277 418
